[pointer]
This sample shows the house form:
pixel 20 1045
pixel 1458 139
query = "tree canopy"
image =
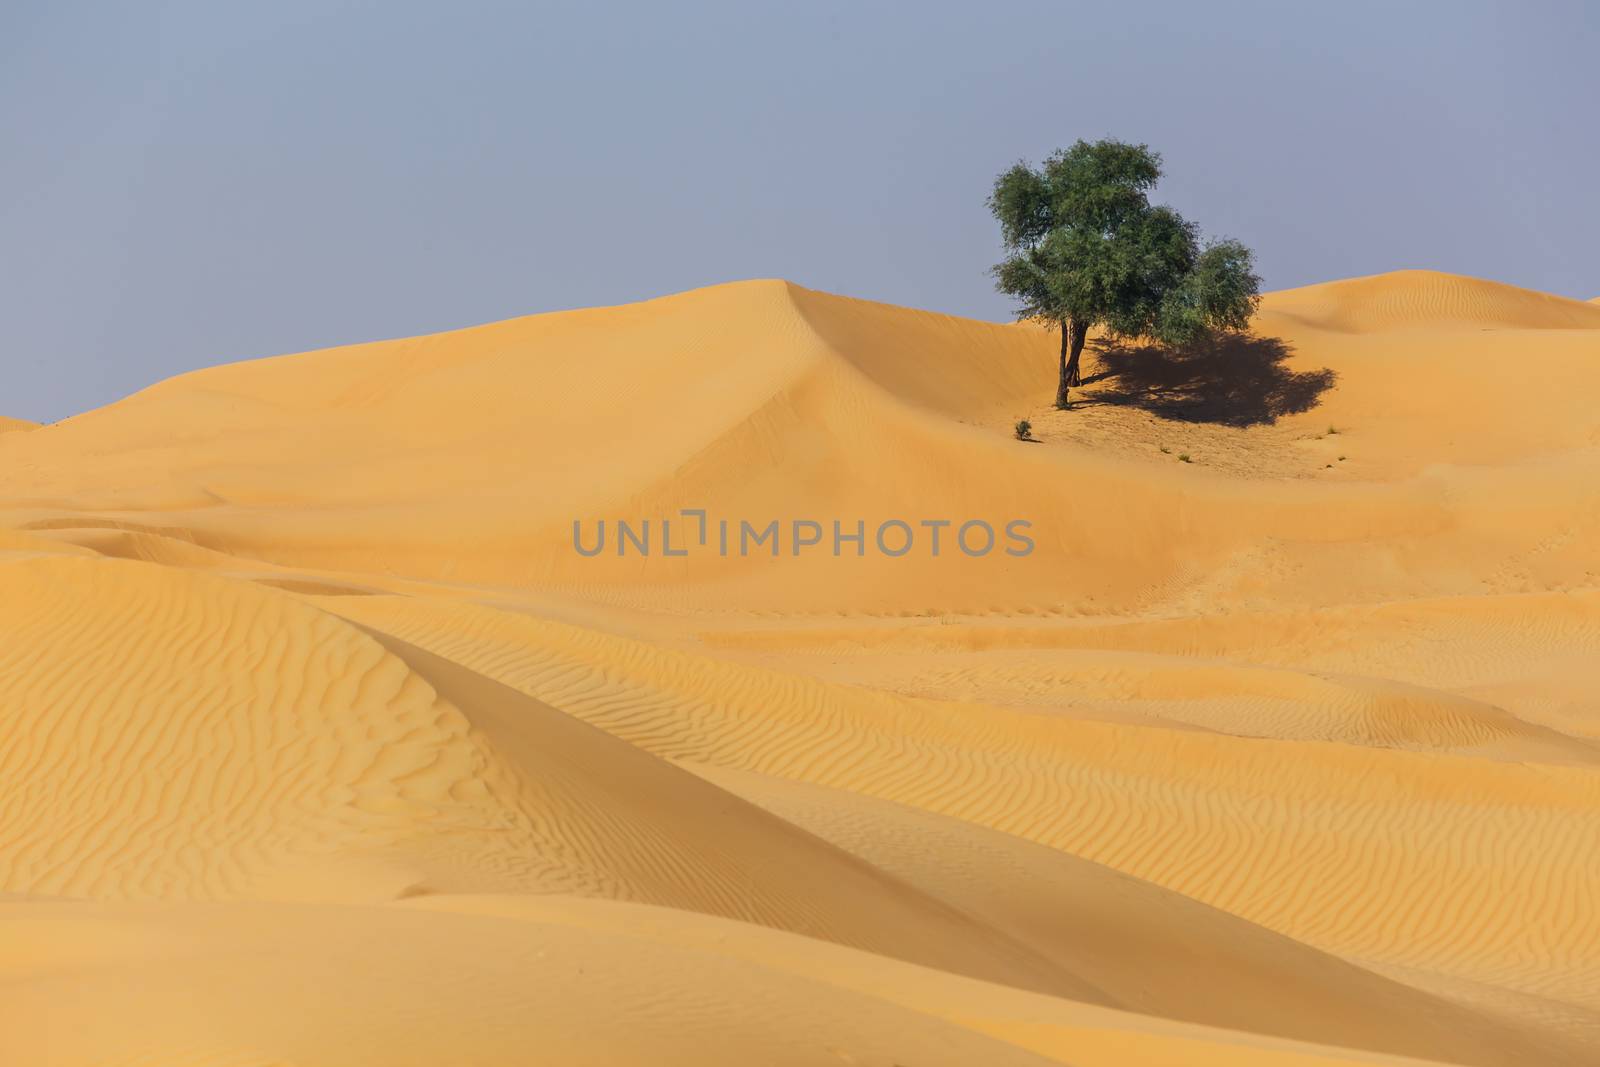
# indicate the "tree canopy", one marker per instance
pixel 1087 248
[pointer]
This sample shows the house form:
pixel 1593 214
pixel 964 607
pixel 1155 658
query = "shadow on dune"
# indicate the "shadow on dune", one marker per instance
pixel 1231 379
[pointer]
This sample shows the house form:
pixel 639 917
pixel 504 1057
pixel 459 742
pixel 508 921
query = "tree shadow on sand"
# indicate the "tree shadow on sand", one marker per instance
pixel 1231 379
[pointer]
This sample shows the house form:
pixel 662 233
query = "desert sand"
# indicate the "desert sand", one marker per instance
pixel 324 745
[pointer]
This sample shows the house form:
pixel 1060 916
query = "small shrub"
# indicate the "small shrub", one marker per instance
pixel 1024 430
pixel 1183 457
pixel 1332 430
pixel 1165 451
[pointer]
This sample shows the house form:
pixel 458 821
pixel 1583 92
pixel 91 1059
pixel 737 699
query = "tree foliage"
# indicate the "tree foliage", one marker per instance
pixel 1086 248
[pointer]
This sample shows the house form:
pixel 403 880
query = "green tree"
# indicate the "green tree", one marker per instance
pixel 1086 248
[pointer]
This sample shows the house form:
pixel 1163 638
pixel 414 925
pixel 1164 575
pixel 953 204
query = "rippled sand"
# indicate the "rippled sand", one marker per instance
pixel 323 745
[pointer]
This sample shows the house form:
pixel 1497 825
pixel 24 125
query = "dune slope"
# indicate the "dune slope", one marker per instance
pixel 1280 746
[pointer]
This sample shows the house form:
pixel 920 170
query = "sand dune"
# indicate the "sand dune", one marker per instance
pixel 568 981
pixel 1430 300
pixel 1285 754
pixel 1227 826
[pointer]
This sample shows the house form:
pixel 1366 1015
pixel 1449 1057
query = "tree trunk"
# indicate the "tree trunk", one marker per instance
pixel 1080 334
pixel 1063 381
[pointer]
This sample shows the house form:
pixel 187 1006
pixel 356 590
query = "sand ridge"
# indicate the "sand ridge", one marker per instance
pixel 1279 748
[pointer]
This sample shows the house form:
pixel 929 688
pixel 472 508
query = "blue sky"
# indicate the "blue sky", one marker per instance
pixel 186 183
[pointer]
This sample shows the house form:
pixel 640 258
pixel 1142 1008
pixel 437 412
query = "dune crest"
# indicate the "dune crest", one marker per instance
pixel 1278 748
pixel 1429 300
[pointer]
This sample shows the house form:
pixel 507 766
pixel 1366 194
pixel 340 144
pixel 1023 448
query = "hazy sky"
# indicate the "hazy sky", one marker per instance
pixel 185 183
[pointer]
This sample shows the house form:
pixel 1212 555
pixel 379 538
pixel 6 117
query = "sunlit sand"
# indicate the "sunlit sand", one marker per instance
pixel 323 744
